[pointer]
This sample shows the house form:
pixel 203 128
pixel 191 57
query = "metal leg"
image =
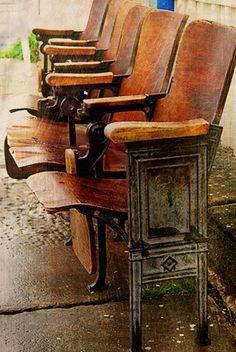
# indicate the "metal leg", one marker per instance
pixel 99 283
pixel 135 305
pixel 202 337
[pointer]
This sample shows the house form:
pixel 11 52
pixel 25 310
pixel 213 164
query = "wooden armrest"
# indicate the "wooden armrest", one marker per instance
pixel 114 101
pixel 125 132
pixel 81 64
pixel 67 79
pixel 71 42
pixel 143 102
pixel 69 50
pixel 76 65
pixel 54 32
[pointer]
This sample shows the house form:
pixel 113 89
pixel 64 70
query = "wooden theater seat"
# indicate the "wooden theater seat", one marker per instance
pixel 167 174
pixel 151 74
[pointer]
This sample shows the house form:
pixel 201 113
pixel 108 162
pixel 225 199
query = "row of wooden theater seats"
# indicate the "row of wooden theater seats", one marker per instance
pixel 139 91
pixel 102 32
pixel 188 115
pixel 71 45
pixel 154 102
pixel 38 144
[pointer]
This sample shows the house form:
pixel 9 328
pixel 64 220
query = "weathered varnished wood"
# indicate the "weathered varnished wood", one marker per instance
pixel 202 79
pixel 167 184
pixel 38 131
pixel 152 26
pixel 52 32
pixel 69 50
pixel 124 132
pixel 92 31
pixel 82 231
pixel 41 132
pixel 71 42
pixel 114 101
pixel 60 79
pixel 83 240
pixel 60 191
pixel 104 39
pixel 70 66
pixel 158 57
pixel 121 49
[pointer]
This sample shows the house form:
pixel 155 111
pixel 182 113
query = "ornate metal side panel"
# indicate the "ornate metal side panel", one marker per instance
pixel 168 219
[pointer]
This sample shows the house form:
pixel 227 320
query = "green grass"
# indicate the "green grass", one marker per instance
pixel 15 50
pixel 34 48
pixel 181 286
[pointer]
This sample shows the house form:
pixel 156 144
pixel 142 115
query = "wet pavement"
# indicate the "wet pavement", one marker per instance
pixel 44 303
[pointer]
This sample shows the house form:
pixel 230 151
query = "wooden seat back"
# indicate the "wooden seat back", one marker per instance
pixel 96 20
pixel 202 76
pixel 124 35
pixel 109 22
pixel 151 71
pixel 203 72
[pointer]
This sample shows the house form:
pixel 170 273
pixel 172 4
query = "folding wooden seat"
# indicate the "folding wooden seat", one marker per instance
pixel 166 184
pixel 162 30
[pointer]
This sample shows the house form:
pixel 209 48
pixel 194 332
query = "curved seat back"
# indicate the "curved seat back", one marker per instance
pixel 202 75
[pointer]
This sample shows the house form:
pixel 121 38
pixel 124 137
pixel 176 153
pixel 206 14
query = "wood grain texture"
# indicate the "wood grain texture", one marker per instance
pixel 70 161
pixel 113 8
pixel 60 191
pixel 61 79
pixel 82 231
pixel 153 62
pixel 52 32
pixel 38 131
pixel 114 101
pixel 76 65
pixel 124 132
pixel 152 26
pixel 123 44
pixel 96 18
pixel 68 42
pixel 69 50
pixel 202 75
pixel 83 239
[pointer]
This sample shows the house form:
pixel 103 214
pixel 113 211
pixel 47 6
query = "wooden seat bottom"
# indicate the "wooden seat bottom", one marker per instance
pixel 58 191
pixel 38 131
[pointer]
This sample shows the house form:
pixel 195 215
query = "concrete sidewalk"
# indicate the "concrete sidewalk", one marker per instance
pixel 44 303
